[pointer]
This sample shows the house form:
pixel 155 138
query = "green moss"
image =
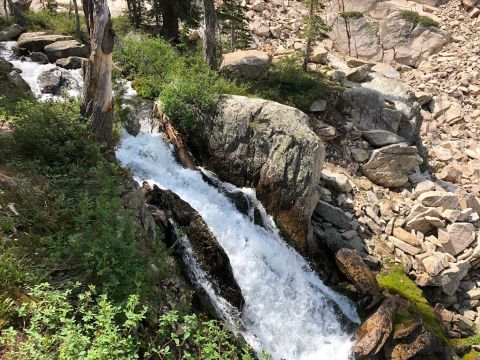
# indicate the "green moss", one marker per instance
pixel 416 18
pixel 351 15
pixel 472 355
pixel 393 278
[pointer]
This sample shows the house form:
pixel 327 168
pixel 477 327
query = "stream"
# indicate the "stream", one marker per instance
pixel 288 310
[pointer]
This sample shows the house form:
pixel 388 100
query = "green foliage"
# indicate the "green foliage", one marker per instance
pixel 187 88
pixel 58 22
pixel 93 328
pixel 122 25
pixel 53 134
pixel 393 278
pixel 186 337
pixel 351 15
pixel 416 18
pixel 315 26
pixel 288 84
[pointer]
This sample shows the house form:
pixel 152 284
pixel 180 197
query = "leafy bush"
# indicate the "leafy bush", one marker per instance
pixel 93 328
pixel 52 133
pixel 416 18
pixel 186 86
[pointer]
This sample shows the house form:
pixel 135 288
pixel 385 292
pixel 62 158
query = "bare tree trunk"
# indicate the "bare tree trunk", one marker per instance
pixel 77 19
pixel 209 46
pixel 97 104
pixel 308 48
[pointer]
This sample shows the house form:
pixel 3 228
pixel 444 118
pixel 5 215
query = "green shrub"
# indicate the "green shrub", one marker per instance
pixel 93 328
pixel 288 84
pixel 53 134
pixel 416 18
pixel 351 15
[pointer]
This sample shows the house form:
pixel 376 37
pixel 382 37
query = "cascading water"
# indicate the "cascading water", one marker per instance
pixel 288 310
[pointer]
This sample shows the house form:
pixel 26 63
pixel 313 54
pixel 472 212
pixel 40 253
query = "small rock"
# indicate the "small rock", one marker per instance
pixel 333 215
pixel 380 138
pixel 318 106
pixel 456 237
pixel 336 181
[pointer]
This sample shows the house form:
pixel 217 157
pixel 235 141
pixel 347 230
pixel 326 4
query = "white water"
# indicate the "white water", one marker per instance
pixel 32 70
pixel 288 309
pixel 286 305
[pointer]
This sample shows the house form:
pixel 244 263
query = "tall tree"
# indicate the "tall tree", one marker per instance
pixel 233 23
pixel 97 104
pixel 209 45
pixel 77 19
pixel 315 28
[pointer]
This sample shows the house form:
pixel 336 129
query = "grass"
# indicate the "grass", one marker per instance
pixel 393 278
pixel 416 18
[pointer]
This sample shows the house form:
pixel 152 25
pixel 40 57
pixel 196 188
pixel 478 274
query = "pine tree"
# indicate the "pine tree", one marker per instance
pixel 234 25
pixel 315 29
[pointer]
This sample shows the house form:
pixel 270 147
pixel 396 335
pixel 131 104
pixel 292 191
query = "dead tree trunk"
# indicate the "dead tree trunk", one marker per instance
pixel 77 19
pixel 97 104
pixel 209 46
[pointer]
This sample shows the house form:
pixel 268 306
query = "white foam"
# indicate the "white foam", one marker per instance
pixel 287 309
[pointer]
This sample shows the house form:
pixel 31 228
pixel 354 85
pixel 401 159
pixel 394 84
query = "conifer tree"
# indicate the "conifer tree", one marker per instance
pixel 315 27
pixel 233 23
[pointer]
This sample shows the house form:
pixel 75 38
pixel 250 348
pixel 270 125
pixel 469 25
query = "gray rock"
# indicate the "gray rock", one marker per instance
pixel 51 81
pixel 449 279
pixel 380 138
pixel 445 200
pixel 402 245
pixel 456 237
pixel 319 55
pixel 251 64
pixel 5 66
pixel 359 155
pixel 336 181
pixel 270 147
pixel 389 166
pixel 36 41
pixel 12 33
pixel 16 79
pixel 333 215
pixel 359 74
pixel 71 62
pixel 433 265
pixel 64 49
pixel 318 106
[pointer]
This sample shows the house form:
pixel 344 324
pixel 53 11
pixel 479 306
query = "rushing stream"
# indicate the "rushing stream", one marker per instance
pixel 288 310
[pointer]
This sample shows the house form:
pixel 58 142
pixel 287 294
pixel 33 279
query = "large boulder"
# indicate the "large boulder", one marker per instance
pixel 64 49
pixel 11 33
pixel 251 64
pixel 374 332
pixel 36 41
pixel 390 166
pixel 270 147
pixel 209 253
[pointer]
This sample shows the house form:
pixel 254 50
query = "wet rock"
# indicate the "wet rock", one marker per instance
pixel 389 166
pixel 333 215
pixel 251 64
pixel 39 57
pixel 456 237
pixel 354 268
pixel 36 41
pixel 270 147
pixel 51 81
pixel 374 332
pixel 208 251
pixel 70 63
pixel 381 138
pixel 5 66
pixel 64 49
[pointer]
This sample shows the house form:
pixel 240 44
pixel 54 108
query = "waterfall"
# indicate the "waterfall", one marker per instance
pixel 288 310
